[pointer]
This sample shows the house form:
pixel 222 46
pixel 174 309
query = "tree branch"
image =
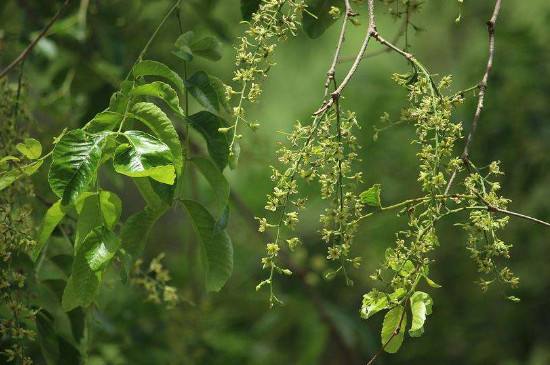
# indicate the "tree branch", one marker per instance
pixel 336 93
pixel 29 48
pixel 341 39
pixel 481 95
pixel 395 39
pixel 395 333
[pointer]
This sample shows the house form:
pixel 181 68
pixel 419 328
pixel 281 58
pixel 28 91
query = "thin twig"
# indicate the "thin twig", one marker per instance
pixel 395 333
pixel 341 39
pixel 336 93
pixel 481 95
pixel 395 39
pixel 519 215
pixel 29 48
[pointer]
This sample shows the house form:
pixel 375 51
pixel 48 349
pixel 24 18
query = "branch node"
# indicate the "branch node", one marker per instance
pixel 491 27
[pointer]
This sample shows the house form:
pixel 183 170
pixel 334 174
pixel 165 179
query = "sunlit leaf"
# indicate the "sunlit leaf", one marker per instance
pixel 371 196
pixel 395 319
pixel 75 162
pixel 162 127
pixel 421 306
pixel 159 89
pixel 30 148
pixel 154 68
pixel 9 177
pixel 104 121
pixel 144 155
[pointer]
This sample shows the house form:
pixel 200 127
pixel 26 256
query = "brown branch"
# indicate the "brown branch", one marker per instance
pixel 481 95
pixel 341 39
pixel 519 215
pixel 336 93
pixel 395 39
pixel 29 48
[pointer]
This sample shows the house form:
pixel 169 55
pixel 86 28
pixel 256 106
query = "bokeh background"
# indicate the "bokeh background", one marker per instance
pixel 71 75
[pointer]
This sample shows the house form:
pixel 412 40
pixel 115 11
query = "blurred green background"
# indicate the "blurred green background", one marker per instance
pixel 71 75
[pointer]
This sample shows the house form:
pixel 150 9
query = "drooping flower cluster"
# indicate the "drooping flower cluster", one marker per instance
pixel 322 152
pixel 409 262
pixel 483 243
pixel 154 280
pixel 273 22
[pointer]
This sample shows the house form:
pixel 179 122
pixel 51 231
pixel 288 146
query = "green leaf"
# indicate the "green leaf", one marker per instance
pixel 372 305
pixel 154 196
pixel 249 7
pixel 134 234
pixel 159 89
pixel 392 323
pixel 160 124
pixel 431 283
pixel 215 178
pixel 104 121
pixel 94 211
pixel 154 68
pixel 119 100
pixel 372 196
pixel 207 90
pixel 90 263
pixel 223 220
pixel 31 148
pixel 207 125
pixel 421 306
pixel 145 155
pixel 216 247
pixel 208 47
pixel 47 337
pixel 182 47
pixel 9 177
pixel 315 27
pixel 51 219
pixel 75 162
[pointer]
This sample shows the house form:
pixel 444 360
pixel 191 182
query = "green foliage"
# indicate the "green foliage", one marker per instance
pixel 31 148
pixel 208 125
pixel 187 46
pixel 208 90
pixel 216 248
pixel 154 68
pixel 371 196
pixel 393 329
pixel 91 261
pixel 76 158
pixel 90 237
